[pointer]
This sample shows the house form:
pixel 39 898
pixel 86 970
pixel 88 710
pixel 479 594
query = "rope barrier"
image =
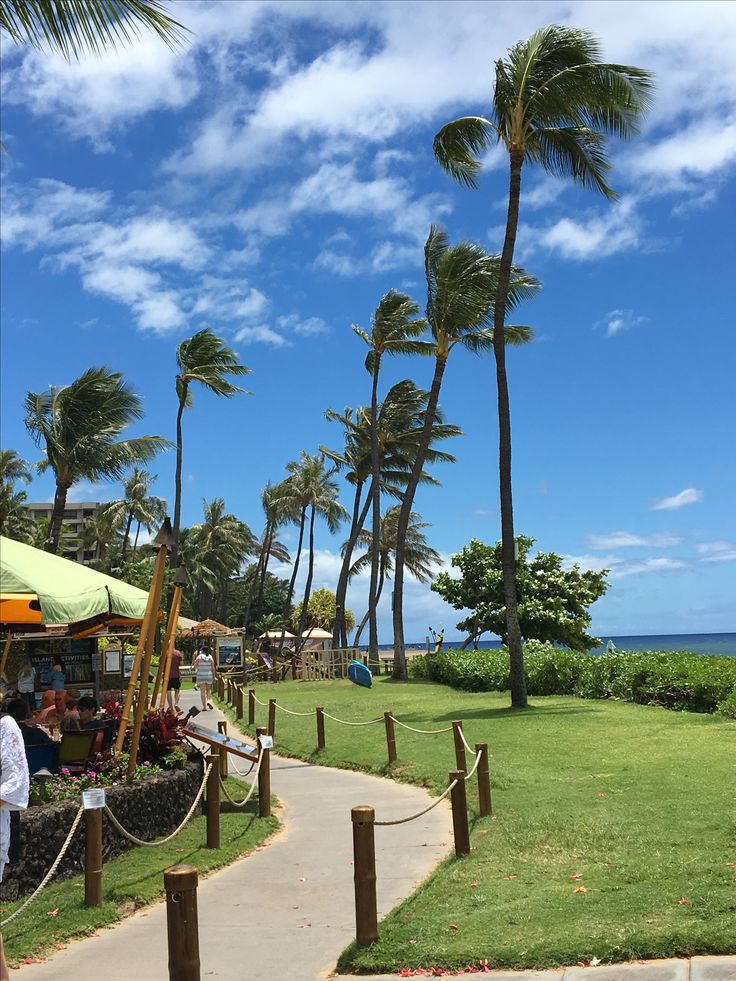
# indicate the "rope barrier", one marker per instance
pixel 49 874
pixel 474 766
pixel 289 712
pixel 344 723
pixel 242 803
pixel 257 700
pixel 466 743
pixel 426 732
pixel 413 817
pixel 162 841
pixel 241 773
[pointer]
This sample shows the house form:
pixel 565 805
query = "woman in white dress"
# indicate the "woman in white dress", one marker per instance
pixel 204 674
pixel 14 781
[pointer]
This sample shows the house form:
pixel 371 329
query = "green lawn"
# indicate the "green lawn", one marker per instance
pixel 132 880
pixel 637 801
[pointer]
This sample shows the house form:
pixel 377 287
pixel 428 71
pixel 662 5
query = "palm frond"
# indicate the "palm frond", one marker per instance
pixel 458 145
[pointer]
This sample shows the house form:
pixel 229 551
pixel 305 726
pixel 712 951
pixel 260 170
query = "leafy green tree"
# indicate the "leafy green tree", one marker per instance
pixel 202 359
pixel 461 289
pixel 395 329
pixel 419 556
pixel 138 505
pixel 73 27
pixel 241 593
pixel 16 520
pixel 554 103
pixel 78 426
pixel 321 612
pixel 553 601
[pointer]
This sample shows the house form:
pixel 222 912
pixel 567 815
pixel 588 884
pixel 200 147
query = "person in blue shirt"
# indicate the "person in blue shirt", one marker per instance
pixel 55 676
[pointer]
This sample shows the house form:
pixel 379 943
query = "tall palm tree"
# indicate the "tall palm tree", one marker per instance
pixel 320 491
pixel 419 557
pixel 73 27
pixel 79 426
pixel 16 520
pixel 204 359
pixel 268 546
pixel 554 103
pixel 461 289
pixel 399 427
pixel 395 329
pixel 138 505
pixel 98 532
pixel 13 467
pixel 215 551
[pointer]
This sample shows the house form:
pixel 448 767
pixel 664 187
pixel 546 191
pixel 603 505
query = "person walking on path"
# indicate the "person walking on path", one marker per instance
pixel 173 688
pixel 204 674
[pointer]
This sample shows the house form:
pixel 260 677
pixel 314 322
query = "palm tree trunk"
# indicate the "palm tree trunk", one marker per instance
pixel 376 522
pixel 308 587
pixel 340 639
pixel 379 590
pixel 292 581
pixel 125 537
pixel 174 561
pixel 508 560
pixel 251 590
pixel 57 517
pixel 407 502
pixel 135 542
pixel 268 540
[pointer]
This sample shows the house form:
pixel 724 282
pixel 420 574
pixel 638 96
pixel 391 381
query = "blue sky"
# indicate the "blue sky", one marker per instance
pixel 275 177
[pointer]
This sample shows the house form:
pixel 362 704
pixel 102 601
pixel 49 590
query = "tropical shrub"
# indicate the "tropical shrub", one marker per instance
pixel 677 680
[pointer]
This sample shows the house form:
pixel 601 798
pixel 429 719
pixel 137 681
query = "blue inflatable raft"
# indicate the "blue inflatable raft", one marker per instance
pixel 360 674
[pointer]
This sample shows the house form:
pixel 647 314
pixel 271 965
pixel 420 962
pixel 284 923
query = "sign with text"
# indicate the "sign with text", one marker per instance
pixel 93 799
pixel 266 742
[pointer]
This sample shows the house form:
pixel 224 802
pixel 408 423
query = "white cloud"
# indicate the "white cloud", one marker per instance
pixel 261 334
pixel 719 551
pixel 616 321
pixel 601 234
pixel 88 490
pixel 647 566
pixel 625 539
pixel 706 147
pixel 307 327
pixel 690 495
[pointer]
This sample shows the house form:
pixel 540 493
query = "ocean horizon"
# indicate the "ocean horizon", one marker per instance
pixel 719 644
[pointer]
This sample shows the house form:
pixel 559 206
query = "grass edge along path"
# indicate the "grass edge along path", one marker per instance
pixel 131 881
pixel 614 834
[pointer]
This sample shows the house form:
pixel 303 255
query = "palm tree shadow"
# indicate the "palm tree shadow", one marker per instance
pixel 507 712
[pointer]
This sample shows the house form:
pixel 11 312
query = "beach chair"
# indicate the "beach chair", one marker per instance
pixel 76 749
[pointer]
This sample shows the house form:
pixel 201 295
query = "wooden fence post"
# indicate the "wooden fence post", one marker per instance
pixel 272 716
pixel 222 728
pixel 93 857
pixel 484 781
pixel 264 778
pixel 460 813
pixel 213 800
pixel 251 707
pixel 320 727
pixel 364 875
pixel 457 733
pixel 238 702
pixel 390 736
pixel 180 882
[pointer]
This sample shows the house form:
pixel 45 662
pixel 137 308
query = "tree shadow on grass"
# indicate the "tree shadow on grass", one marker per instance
pixel 507 712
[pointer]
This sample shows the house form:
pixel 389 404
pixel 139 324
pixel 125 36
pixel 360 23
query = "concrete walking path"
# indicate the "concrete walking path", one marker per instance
pixel 286 913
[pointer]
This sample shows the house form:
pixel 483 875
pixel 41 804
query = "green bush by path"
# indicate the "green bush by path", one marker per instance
pixel 672 679
pixel 130 881
pixel 636 801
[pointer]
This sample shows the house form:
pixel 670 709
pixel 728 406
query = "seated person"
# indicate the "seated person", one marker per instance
pixel 87 709
pixel 70 718
pixel 32 735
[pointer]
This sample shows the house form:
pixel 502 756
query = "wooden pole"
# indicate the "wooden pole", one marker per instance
pixel 6 652
pixel 264 779
pixel 484 781
pixel 222 727
pixel 272 716
pixel 320 727
pixel 364 875
pixel 213 800
pixel 457 732
pixel 145 643
pixel 180 882
pixel 460 813
pixel 147 655
pixel 251 707
pixel 93 857
pixel 390 736
pixel 238 702
pixel 167 655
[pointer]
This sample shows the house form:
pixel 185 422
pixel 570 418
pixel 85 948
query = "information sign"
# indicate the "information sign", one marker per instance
pixel 93 799
pixel 266 742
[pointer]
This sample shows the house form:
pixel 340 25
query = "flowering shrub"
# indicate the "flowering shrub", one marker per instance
pixel 108 771
pixel 110 701
pixel 160 734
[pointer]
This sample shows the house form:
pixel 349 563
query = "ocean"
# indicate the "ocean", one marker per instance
pixel 723 645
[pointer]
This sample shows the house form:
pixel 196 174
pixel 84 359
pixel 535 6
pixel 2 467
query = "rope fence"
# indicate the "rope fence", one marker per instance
pixel 254 784
pixel 161 841
pixel 343 722
pixel 425 732
pixel 47 878
pixel 413 817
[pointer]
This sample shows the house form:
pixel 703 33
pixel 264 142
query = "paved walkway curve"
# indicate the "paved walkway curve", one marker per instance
pixel 285 913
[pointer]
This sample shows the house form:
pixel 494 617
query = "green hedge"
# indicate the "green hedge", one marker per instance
pixel 672 679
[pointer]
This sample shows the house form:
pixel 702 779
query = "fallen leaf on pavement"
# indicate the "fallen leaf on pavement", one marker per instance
pixel 304 926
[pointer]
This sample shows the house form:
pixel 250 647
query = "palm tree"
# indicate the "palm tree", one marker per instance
pixel 555 103
pixel 73 27
pixel 461 289
pixel 400 424
pixel 79 426
pixel 99 531
pixel 268 546
pixel 394 330
pixel 138 505
pixel 205 359
pixel 419 557
pixel 214 552
pixel 16 520
pixel 13 467
pixel 320 492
